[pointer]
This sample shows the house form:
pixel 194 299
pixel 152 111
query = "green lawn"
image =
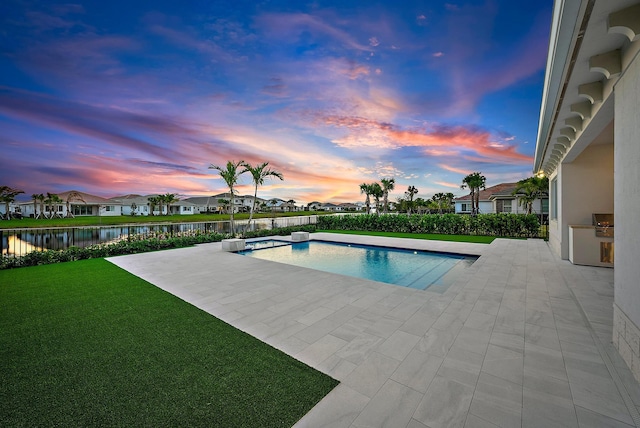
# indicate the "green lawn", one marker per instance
pixel 117 220
pixel 88 344
pixel 430 236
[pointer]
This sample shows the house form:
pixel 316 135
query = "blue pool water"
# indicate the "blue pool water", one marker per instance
pixel 408 268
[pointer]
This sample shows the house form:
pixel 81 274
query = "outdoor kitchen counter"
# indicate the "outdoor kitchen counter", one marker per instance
pixel 585 248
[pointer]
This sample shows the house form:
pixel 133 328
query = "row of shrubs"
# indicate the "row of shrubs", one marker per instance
pixel 503 224
pixel 133 246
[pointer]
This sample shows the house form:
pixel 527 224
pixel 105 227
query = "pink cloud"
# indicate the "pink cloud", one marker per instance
pixel 369 132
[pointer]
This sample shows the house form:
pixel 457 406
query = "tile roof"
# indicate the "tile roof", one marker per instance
pixel 502 189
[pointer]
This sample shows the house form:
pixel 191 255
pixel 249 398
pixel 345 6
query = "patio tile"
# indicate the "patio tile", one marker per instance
pixel 418 324
pixel 474 421
pixel 436 342
pixel 384 327
pixel 320 350
pixel 589 419
pixel 504 363
pixel 391 407
pixel 480 321
pixel 462 366
pixel 358 349
pixel 445 404
pixel 541 336
pixel 544 410
pixel 337 410
pixel 544 361
pixel 470 340
pixel 417 370
pixel 371 374
pixel 497 401
pixel 398 345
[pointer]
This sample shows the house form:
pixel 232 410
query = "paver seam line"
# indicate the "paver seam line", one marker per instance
pixel 626 398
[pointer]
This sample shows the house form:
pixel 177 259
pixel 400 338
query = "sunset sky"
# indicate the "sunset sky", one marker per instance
pixel 113 97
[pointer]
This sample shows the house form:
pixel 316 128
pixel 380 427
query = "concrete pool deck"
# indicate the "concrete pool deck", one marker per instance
pixel 521 338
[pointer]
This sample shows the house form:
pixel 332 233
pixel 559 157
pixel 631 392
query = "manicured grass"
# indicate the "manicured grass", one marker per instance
pixel 117 220
pixel 88 344
pixel 430 236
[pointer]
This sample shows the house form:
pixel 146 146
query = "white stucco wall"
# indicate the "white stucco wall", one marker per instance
pixel 627 192
pixel 586 186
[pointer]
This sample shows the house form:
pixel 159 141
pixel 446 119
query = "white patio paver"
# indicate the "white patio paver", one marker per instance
pixel 521 339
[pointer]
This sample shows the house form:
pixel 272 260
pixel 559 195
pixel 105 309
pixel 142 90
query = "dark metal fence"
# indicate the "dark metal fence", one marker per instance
pixel 18 242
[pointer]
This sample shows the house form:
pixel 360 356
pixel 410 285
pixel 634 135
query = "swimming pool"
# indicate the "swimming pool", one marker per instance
pixel 407 268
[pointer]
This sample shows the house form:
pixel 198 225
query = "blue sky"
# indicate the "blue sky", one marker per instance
pixel 141 97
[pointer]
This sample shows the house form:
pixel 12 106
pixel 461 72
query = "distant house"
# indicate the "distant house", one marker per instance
pixel 500 199
pixel 139 205
pixel 133 204
pixel 203 204
pixel 79 203
pixel 348 207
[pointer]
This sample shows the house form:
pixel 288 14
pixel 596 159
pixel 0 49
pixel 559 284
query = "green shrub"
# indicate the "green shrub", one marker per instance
pixel 507 225
pixel 134 245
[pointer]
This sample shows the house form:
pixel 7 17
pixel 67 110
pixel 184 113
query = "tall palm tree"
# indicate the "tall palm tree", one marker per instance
pixel 230 174
pixel 35 204
pixel 410 193
pixel 52 200
pixel 377 193
pixel 366 189
pixel 259 173
pixel 153 203
pixel 168 199
pixel 73 196
pixel 8 195
pixel 474 181
pixel 531 189
pixel 387 186
pixel 40 197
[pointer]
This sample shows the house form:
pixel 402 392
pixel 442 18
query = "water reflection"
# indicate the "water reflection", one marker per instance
pixel 18 242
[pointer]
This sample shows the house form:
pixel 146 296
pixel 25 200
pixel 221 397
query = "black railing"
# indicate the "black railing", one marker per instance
pixel 18 242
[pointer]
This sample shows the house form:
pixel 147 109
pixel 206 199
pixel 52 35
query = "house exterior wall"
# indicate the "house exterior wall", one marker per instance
pixel 585 186
pixel 626 332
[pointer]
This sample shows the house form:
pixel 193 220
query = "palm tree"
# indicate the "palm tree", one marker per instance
pixel 259 173
pixel 366 189
pixel 410 193
pixel 8 195
pixel 377 193
pixel 40 197
pixel 168 199
pixel 387 186
pixel 35 197
pixel 73 196
pixel 153 203
pixel 230 175
pixel 474 181
pixel 438 199
pixel 291 204
pixel 52 200
pixel 531 189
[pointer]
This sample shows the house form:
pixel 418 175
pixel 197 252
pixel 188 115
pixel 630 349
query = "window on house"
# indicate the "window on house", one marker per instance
pixel 81 210
pixel 464 207
pixel 545 206
pixel 554 199
pixel 506 206
pixel 109 208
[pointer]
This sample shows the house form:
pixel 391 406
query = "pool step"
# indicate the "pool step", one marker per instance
pixel 428 274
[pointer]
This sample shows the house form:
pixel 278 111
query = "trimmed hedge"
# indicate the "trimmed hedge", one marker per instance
pixel 507 225
pixel 134 245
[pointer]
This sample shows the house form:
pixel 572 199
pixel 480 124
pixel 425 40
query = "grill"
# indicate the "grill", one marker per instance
pixel 603 224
